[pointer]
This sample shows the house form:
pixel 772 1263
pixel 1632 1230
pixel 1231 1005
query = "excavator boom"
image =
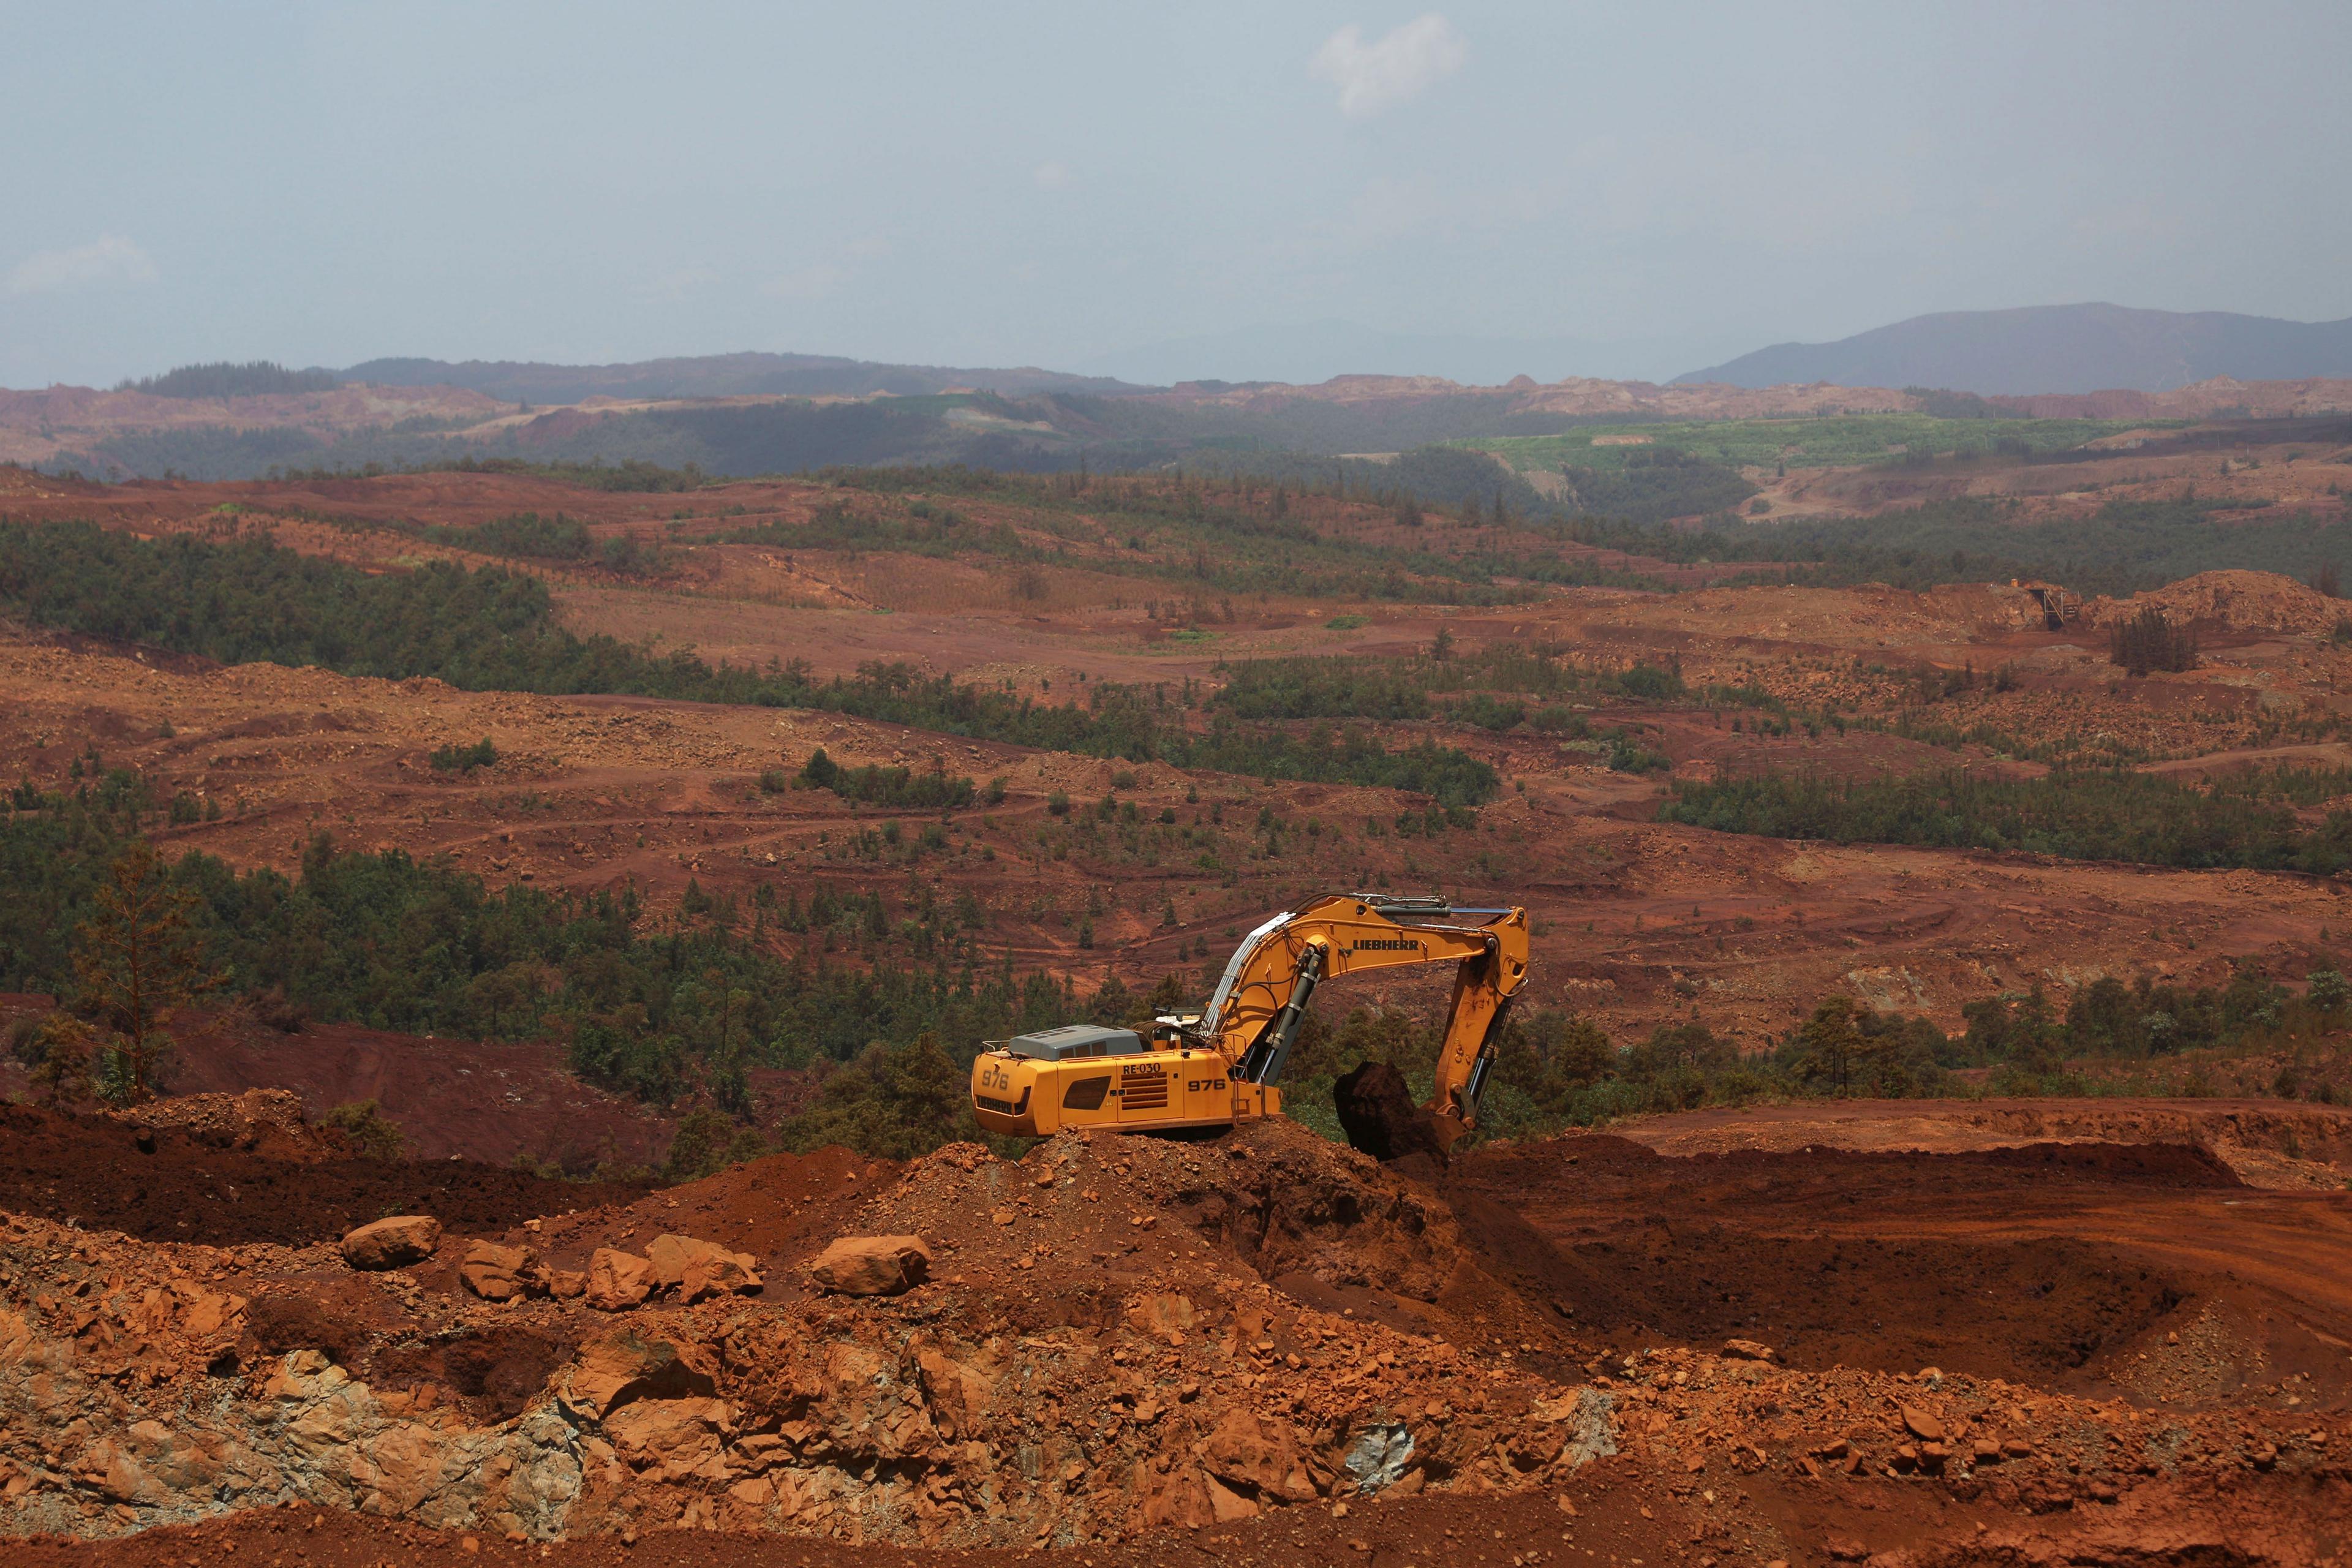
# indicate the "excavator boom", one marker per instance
pixel 1225 1066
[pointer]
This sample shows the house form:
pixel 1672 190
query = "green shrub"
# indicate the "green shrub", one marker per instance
pixel 374 1134
pixel 455 759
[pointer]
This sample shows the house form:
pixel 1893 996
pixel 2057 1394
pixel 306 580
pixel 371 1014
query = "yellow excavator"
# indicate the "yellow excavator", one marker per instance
pixel 1224 1065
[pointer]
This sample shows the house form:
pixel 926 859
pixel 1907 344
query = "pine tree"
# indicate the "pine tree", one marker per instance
pixel 2149 641
pixel 1832 1051
pixel 138 961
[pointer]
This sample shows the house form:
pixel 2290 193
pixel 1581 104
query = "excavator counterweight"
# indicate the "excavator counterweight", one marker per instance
pixel 1225 1065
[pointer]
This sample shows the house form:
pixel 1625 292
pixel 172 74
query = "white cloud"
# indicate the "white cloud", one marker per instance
pixel 1051 175
pixel 1380 74
pixel 838 265
pixel 109 258
pixel 679 283
pixel 813 282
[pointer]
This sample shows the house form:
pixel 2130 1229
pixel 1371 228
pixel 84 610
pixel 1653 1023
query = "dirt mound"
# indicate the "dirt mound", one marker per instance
pixel 780 1209
pixel 269 1121
pixel 171 1184
pixel 487 1102
pixel 2236 601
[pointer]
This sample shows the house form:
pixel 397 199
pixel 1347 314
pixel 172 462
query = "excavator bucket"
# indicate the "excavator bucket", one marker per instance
pixel 1377 1114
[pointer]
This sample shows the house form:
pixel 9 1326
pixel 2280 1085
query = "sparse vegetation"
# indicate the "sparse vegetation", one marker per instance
pixel 2244 819
pixel 372 1132
pixel 893 786
pixel 457 759
pixel 493 629
pixel 525 535
pixel 1862 439
pixel 1441 681
pixel 2127 547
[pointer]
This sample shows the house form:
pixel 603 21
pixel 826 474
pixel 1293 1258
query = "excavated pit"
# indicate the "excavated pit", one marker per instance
pixel 1124 1341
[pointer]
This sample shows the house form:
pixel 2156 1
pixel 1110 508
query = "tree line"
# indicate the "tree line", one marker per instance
pixel 661 1008
pixel 224 378
pixel 249 600
pixel 2247 820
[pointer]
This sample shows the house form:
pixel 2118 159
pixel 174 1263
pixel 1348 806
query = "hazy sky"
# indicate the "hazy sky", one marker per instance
pixel 1012 182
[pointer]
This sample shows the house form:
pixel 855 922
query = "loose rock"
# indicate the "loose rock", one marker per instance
pixel 872 1265
pixel 390 1243
pixel 494 1273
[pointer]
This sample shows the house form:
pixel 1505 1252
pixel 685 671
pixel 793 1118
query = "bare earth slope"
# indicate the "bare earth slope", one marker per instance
pixel 1133 1349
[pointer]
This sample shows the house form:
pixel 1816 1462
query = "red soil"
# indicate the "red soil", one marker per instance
pixel 480 1100
pixel 168 1185
pixel 777 1207
pixel 2061 1265
pixel 1615 1511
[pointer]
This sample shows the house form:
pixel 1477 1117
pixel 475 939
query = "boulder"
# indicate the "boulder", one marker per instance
pixel 624 1367
pixel 617 1280
pixel 1377 1113
pixel 1164 1315
pixel 719 1273
pixel 1227 1505
pixel 958 1396
pixel 872 1265
pixel 389 1243
pixel 697 1269
pixel 1377 1459
pixel 1260 1453
pixel 1186 1499
pixel 495 1273
pixel 674 1438
pixel 563 1284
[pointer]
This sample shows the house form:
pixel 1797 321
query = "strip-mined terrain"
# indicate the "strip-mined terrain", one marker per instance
pixel 1256 1342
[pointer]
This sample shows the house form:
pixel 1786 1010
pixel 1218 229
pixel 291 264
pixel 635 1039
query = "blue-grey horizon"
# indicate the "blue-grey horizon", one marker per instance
pixel 1599 189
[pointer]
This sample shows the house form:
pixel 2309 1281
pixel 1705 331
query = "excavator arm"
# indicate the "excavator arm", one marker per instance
pixel 1253 1016
pixel 1223 1066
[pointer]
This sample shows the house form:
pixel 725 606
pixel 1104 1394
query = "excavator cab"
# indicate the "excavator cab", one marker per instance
pixel 1224 1065
pixel 1079 1075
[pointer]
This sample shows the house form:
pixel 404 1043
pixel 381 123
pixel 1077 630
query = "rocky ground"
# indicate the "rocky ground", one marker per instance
pixel 1132 1350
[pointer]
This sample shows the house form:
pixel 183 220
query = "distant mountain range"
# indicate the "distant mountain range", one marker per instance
pixel 2055 349
pixel 1306 352
pixel 2041 349
pixel 718 375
